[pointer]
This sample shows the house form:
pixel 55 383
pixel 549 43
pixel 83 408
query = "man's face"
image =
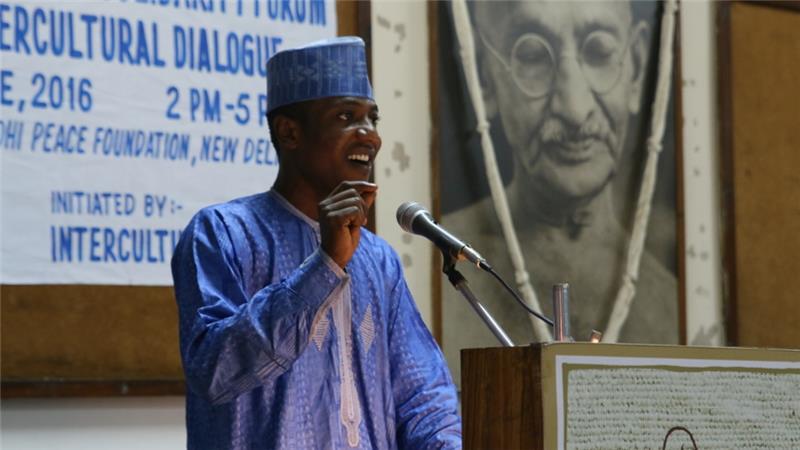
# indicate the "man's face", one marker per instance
pixel 566 134
pixel 339 142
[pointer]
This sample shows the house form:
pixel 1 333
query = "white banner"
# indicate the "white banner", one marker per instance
pixel 121 119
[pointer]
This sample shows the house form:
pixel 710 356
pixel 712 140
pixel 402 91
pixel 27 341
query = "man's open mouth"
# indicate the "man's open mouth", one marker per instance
pixel 363 159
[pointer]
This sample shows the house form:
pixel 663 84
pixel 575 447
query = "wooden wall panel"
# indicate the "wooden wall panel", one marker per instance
pixel 89 333
pixel 760 107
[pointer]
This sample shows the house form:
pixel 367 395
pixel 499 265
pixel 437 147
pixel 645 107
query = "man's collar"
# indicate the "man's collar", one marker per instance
pixel 293 210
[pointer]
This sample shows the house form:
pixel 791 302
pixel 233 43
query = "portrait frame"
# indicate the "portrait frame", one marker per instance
pixel 440 37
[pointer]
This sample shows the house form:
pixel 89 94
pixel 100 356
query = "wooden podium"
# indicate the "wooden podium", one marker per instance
pixel 582 395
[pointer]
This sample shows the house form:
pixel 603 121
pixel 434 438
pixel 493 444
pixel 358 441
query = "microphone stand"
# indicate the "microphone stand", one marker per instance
pixel 460 283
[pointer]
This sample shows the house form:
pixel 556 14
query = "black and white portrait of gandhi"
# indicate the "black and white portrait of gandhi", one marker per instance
pixel 568 87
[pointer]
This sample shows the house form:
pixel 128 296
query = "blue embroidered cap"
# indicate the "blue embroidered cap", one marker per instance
pixel 334 67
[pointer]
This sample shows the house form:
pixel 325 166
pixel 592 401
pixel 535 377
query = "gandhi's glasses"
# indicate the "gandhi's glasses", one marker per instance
pixel 534 66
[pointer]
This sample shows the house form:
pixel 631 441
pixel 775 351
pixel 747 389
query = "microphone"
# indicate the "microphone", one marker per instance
pixel 413 218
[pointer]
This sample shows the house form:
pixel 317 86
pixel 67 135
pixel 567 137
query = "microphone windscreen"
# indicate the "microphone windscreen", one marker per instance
pixel 406 213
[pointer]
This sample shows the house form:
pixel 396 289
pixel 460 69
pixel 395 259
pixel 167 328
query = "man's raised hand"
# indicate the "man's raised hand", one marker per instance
pixel 341 216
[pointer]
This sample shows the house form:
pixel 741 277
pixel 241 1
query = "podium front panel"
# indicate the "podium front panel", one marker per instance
pixel 598 396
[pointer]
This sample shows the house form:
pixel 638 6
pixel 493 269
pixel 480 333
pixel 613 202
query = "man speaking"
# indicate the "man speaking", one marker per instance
pixel 297 328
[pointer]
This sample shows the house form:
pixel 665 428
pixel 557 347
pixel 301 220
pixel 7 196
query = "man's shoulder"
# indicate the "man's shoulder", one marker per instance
pixel 237 206
pixel 654 313
pixel 231 217
pixel 239 210
pixel 655 276
pixel 478 219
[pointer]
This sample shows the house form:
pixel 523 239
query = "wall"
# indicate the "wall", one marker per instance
pixel 152 423
pixel 403 172
pixel 704 322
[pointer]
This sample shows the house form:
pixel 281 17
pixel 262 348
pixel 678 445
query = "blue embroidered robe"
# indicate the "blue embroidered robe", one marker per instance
pixel 283 349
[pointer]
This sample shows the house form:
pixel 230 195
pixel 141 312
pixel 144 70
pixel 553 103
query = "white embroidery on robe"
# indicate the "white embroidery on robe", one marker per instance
pixel 367 329
pixel 320 330
pixel 350 411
